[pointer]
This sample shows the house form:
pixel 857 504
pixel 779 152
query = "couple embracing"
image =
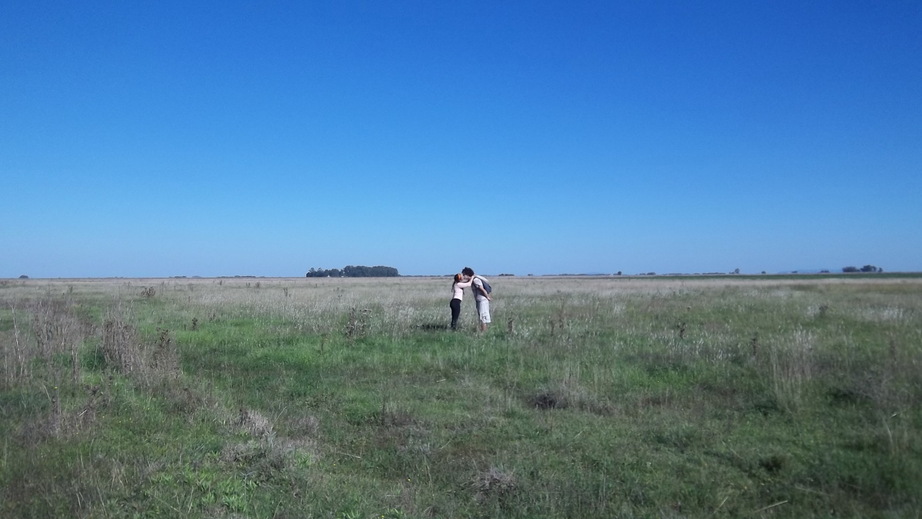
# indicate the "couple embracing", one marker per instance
pixel 480 287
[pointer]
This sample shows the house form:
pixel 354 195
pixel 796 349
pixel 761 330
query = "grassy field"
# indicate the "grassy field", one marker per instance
pixel 348 398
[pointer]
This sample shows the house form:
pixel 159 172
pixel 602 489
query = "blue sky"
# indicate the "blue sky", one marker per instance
pixel 265 138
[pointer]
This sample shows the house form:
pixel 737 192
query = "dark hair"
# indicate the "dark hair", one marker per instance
pixel 467 271
pixel 456 279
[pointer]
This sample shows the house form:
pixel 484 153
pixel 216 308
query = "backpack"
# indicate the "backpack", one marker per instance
pixel 486 285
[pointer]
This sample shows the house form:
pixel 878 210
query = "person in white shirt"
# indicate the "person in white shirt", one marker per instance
pixel 481 297
pixel 457 294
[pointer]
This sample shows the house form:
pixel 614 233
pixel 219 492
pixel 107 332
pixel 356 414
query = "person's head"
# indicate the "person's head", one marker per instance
pixel 457 278
pixel 468 271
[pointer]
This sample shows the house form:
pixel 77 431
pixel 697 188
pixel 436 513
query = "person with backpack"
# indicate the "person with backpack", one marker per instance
pixel 482 290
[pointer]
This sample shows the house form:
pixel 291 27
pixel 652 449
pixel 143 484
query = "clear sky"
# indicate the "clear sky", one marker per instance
pixel 264 138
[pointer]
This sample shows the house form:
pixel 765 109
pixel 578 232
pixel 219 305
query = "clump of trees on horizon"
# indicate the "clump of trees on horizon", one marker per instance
pixel 866 268
pixel 352 271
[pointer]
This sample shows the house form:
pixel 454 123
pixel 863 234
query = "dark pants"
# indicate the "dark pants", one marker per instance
pixel 455 306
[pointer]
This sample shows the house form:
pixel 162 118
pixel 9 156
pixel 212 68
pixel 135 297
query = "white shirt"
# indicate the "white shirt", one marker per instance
pixel 478 289
pixel 457 289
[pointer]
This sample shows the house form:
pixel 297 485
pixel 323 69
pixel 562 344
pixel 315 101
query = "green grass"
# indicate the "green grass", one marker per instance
pixel 597 397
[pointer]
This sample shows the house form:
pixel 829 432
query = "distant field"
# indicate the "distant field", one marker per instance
pixel 727 396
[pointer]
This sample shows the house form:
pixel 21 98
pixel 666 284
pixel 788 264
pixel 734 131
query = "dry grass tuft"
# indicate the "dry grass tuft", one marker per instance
pixel 255 424
pixel 494 484
pixel 308 425
pixel 792 366
pixel 46 348
pixel 123 350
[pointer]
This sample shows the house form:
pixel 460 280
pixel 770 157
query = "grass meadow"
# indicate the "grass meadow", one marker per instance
pixel 348 398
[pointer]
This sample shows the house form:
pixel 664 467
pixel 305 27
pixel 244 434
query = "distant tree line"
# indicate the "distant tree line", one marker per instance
pixel 352 271
pixel 866 268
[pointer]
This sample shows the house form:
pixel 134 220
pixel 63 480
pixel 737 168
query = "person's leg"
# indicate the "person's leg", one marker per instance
pixel 477 304
pixel 455 306
pixel 483 314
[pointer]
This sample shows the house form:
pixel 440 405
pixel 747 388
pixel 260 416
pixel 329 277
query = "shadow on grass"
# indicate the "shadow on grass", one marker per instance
pixel 433 327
